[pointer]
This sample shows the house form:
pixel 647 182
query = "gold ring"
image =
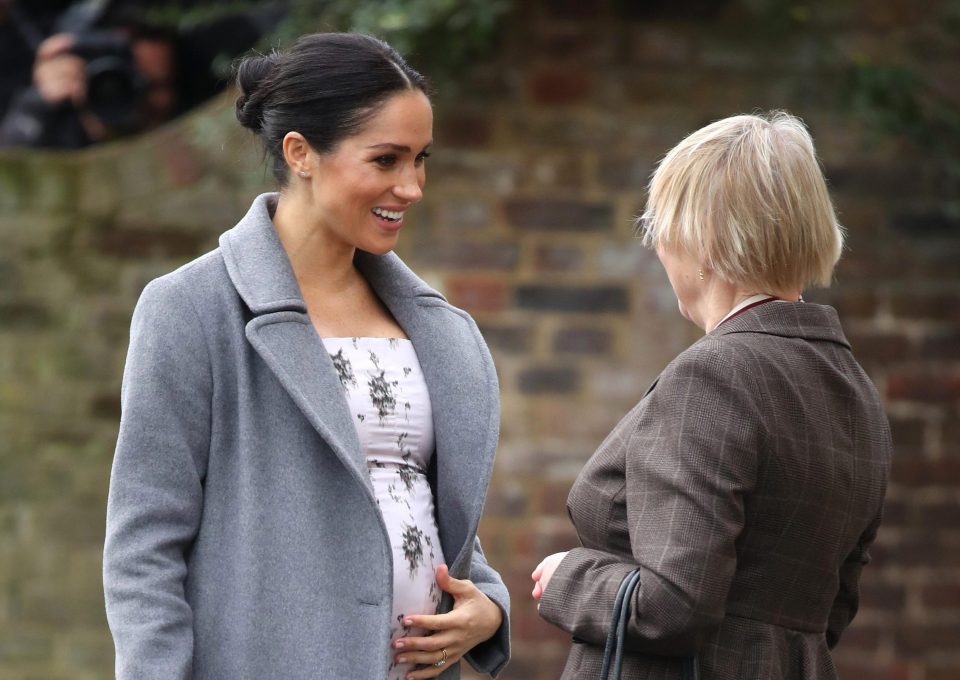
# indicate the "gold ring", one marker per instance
pixel 443 658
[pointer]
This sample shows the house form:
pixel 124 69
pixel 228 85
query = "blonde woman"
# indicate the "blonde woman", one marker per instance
pixel 747 483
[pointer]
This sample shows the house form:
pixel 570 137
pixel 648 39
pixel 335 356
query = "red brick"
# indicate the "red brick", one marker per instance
pixel 916 640
pixel 477 294
pixel 148 243
pixel 938 515
pixel 895 513
pixel 466 254
pixel 924 387
pixel 926 550
pixel 909 435
pixel 464 129
pixel 872 669
pixel 862 637
pixel 548 380
pixel 850 303
pixel 950 438
pixel 883 596
pixel 592 299
pixel 582 341
pixel 943 345
pixel 879 348
pixel 557 258
pixel 918 472
pixel 558 215
pixel 938 305
pixel 559 84
pixel 942 670
pixel 509 338
pixel 942 596
pixel 553 499
pixel 183 164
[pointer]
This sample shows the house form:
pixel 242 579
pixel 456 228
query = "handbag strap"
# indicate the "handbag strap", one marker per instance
pixel 616 635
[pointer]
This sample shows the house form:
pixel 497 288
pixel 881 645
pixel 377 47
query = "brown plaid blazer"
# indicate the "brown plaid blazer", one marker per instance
pixel 747 485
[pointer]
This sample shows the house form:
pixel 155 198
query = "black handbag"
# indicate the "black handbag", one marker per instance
pixel 613 651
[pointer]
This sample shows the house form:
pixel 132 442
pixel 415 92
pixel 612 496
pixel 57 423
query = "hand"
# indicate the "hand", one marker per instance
pixel 473 619
pixel 544 572
pixel 58 75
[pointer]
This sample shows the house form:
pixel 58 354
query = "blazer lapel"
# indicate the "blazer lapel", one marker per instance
pixel 282 334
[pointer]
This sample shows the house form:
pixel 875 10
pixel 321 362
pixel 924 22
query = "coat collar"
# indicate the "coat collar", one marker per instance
pixel 805 320
pixel 262 274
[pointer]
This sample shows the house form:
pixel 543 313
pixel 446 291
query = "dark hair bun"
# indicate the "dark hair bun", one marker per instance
pixel 253 76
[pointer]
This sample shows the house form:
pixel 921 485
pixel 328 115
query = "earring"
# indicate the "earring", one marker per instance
pixel 304 174
pixel 700 271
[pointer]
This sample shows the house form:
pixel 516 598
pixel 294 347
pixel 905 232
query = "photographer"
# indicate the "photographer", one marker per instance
pixel 56 110
pixel 104 73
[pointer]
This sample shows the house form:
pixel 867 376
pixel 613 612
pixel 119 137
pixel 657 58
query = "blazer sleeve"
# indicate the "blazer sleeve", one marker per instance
pixel 155 498
pixel 847 601
pixel 492 655
pixel 690 452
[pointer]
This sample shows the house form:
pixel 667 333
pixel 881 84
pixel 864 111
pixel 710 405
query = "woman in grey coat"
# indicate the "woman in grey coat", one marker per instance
pixel 308 429
pixel 746 485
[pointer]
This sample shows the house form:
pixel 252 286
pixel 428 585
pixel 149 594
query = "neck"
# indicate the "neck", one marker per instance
pixel 319 261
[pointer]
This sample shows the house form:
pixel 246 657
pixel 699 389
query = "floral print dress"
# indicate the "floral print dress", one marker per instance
pixel 388 399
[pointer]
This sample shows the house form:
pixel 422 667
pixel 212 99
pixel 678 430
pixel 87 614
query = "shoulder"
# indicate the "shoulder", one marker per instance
pixel 717 358
pixel 197 284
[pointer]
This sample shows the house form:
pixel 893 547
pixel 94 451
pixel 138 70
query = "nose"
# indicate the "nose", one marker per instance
pixel 409 187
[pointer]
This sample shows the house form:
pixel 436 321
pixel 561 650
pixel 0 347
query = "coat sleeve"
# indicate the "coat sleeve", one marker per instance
pixel 155 498
pixel 492 655
pixel 690 457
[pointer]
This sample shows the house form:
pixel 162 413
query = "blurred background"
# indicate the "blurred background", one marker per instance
pixel 550 115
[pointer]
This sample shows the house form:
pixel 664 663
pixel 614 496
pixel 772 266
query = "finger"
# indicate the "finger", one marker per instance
pixel 537 590
pixel 430 669
pixel 431 621
pixel 455 586
pixel 430 643
pixel 54 45
pixel 427 662
pixel 538 571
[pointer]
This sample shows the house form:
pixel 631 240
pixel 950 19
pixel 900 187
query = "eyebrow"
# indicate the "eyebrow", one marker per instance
pixel 397 147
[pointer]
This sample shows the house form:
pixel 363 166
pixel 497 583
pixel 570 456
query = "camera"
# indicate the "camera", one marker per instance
pixel 114 85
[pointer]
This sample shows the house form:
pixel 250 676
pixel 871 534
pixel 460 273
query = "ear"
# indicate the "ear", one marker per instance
pixel 296 152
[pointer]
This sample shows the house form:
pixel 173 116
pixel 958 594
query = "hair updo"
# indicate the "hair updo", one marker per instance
pixel 326 86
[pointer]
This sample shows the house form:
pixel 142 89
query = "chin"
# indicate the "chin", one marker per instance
pixel 378 248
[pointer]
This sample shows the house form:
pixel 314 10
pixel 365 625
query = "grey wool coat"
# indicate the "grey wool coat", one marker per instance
pixel 746 485
pixel 243 536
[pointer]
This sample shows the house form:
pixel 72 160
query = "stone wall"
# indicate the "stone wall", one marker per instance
pixel 540 165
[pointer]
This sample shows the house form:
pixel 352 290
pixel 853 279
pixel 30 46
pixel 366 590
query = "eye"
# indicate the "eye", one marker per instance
pixel 421 157
pixel 385 161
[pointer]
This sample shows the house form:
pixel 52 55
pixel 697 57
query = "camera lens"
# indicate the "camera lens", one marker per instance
pixel 112 90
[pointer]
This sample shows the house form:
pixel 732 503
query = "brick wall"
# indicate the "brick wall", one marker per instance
pixel 541 160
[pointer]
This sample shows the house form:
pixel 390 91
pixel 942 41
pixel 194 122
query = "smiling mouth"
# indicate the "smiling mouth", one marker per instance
pixel 388 215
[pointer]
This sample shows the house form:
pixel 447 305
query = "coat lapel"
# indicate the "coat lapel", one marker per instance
pixel 282 334
pixel 464 396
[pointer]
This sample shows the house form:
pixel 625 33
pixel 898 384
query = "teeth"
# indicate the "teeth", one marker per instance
pixel 389 214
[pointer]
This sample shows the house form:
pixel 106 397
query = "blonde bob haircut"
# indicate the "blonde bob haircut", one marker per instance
pixel 746 197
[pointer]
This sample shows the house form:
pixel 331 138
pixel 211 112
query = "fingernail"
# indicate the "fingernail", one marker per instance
pixel 398 644
pixel 401 659
pixel 408 622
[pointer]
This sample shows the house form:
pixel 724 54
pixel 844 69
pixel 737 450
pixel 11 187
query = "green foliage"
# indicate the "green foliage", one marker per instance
pixel 894 100
pixel 440 37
